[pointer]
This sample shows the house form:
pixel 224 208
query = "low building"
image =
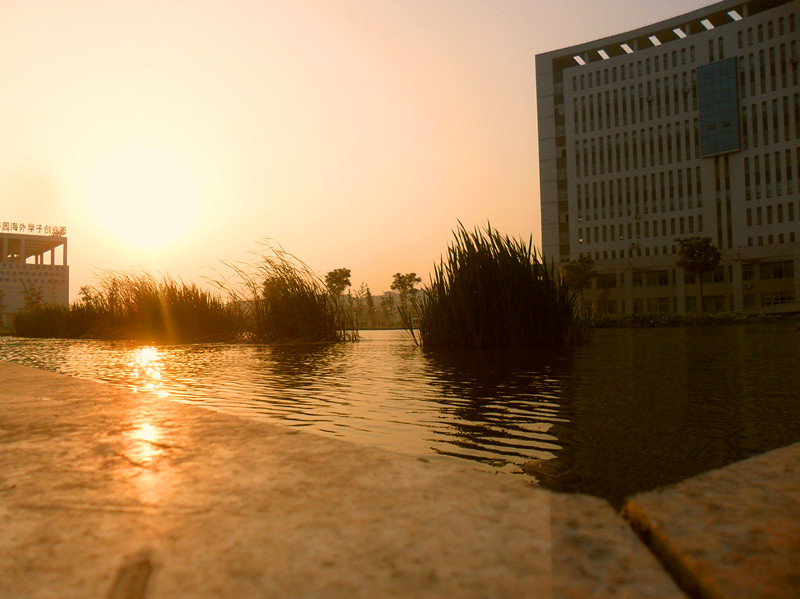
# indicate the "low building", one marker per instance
pixel 33 261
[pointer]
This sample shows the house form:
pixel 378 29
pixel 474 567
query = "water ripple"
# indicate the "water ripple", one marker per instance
pixel 633 410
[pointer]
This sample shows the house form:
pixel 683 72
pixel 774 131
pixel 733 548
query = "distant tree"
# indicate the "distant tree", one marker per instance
pixel 577 274
pixel 698 256
pixel 365 302
pixel 337 281
pixel 388 310
pixel 405 285
pixel 369 301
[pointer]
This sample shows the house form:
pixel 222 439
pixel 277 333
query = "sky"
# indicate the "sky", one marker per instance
pixel 174 136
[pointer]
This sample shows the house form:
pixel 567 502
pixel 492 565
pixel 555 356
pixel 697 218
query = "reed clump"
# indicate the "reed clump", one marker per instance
pixel 492 291
pixel 282 299
pixel 138 307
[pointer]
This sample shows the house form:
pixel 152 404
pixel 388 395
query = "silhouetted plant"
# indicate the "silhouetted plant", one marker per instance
pixel 494 291
pixel 138 307
pixel 284 300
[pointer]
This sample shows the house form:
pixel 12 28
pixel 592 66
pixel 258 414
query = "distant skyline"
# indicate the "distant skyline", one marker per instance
pixel 167 136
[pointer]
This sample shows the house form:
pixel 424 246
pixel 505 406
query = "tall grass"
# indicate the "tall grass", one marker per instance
pixel 493 291
pixel 139 307
pixel 282 299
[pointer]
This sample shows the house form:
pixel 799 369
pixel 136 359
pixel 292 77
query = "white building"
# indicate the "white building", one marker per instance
pixel 687 127
pixel 34 257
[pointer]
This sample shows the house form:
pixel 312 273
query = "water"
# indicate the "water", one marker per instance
pixel 631 411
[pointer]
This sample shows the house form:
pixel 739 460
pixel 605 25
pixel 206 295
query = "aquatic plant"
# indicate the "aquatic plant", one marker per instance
pixel 135 306
pixel 282 299
pixel 494 291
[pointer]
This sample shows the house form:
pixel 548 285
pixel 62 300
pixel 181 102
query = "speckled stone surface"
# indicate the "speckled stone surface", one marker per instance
pixel 106 493
pixel 733 532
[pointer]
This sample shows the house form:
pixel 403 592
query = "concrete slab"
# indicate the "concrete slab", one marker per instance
pixel 104 492
pixel 733 532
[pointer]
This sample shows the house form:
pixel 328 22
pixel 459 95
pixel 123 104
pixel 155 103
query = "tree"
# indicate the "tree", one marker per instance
pixel 405 285
pixel 365 301
pixel 697 257
pixel 577 274
pixel 337 281
pixel 32 297
pixel 387 310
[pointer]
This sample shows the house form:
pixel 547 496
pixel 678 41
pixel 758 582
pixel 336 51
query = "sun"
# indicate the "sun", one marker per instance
pixel 143 195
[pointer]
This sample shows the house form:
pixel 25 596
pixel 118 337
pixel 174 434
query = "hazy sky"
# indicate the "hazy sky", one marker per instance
pixel 169 135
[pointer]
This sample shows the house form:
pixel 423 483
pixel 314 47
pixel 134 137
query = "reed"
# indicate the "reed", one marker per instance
pixel 282 299
pixel 494 291
pixel 135 306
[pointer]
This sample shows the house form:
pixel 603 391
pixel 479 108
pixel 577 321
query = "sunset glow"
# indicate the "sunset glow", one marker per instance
pixel 169 136
pixel 142 195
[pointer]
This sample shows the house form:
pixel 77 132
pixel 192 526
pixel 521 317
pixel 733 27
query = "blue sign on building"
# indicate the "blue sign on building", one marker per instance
pixel 718 96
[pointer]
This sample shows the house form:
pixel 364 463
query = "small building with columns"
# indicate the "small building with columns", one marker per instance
pixel 33 257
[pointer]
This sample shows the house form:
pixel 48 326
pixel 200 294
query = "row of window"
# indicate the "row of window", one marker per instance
pixel 762 124
pixel 768 215
pixel 780 269
pixel 646 147
pixel 711 303
pixel 9 266
pixel 771 239
pixel 635 250
pixel 758 72
pixel 767 271
pixel 671 95
pixel 32 280
pixel 677 226
pixel 629 105
pixel 764 174
pixel 776 121
pixel 639 68
pixel 657 193
pixel 756 34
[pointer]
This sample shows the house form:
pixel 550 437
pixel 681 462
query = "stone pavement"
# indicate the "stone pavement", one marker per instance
pixel 733 532
pixel 108 493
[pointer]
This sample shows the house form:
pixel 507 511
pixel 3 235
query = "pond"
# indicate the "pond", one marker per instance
pixel 632 410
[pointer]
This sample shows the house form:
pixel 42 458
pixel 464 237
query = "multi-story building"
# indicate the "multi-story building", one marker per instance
pixel 689 127
pixel 34 261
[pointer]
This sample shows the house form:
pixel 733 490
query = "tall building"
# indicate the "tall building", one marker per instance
pixel 688 127
pixel 34 259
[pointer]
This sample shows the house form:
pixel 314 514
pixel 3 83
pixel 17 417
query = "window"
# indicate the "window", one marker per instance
pixel 606 280
pixel 776 270
pixel 748 272
pixel 658 304
pixel 714 303
pixel 657 278
pixel 607 306
pixel 772 299
pixel 716 276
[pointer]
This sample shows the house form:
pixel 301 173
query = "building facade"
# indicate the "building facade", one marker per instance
pixel 34 259
pixel 689 127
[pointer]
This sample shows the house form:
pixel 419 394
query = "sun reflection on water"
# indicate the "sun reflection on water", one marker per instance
pixel 146 366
